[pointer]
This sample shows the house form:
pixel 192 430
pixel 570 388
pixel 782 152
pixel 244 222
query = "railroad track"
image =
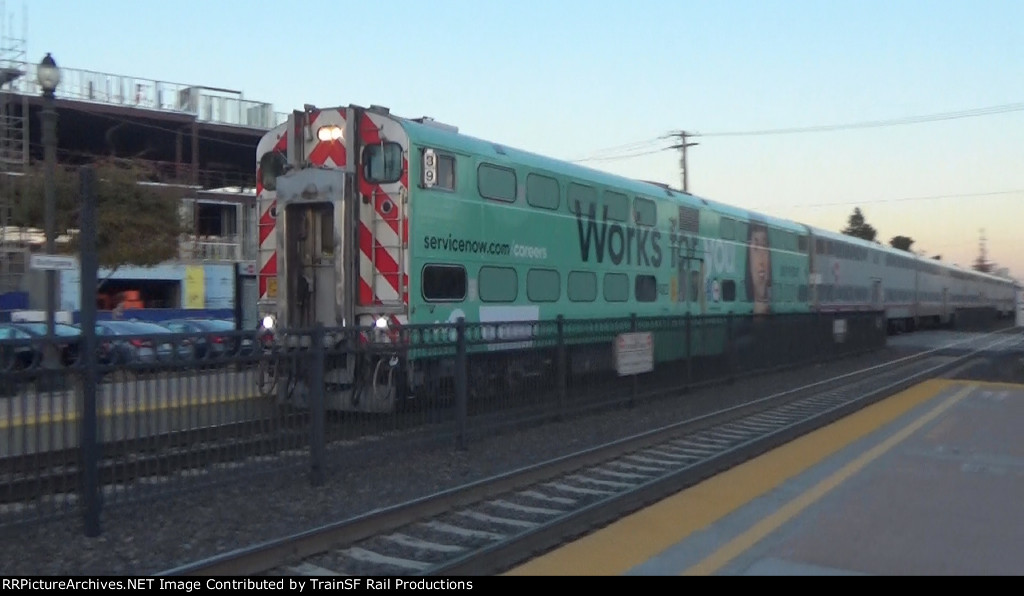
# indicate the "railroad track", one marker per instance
pixel 27 478
pixel 486 527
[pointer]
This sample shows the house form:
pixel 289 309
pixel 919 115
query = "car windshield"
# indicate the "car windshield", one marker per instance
pixel 58 329
pixel 149 328
pixel 7 332
pixel 124 327
pixel 215 325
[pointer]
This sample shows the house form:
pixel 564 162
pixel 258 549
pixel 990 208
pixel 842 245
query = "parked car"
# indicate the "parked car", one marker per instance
pixel 213 337
pixel 17 351
pixel 121 343
pixel 68 338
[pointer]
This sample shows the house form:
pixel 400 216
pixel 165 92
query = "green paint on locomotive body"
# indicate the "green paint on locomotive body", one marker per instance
pixel 632 247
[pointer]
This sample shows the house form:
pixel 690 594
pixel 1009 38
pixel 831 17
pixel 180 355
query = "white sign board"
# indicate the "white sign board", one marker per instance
pixel 54 262
pixel 247 268
pixel 634 353
pixel 839 330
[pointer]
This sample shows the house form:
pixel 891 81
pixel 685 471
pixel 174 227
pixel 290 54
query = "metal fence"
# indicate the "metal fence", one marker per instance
pixel 207 104
pixel 173 412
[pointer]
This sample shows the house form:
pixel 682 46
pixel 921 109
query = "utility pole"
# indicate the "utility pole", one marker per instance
pixel 682 146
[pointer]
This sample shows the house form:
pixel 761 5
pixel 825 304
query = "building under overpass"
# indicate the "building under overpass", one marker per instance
pixel 200 138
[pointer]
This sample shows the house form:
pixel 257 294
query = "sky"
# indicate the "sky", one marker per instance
pixel 916 107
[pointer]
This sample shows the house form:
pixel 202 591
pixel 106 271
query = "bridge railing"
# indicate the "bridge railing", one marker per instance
pixel 207 104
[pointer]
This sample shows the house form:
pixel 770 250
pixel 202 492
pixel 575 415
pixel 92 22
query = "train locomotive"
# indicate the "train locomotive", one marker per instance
pixel 370 220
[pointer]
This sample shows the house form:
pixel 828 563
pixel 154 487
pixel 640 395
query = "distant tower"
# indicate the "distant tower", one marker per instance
pixel 982 264
pixel 13 147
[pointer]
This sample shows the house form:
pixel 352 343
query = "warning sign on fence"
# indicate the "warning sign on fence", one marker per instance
pixel 634 353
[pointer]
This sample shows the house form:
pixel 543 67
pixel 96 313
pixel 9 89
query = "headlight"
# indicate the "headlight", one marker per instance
pixel 330 133
pixel 382 323
pixel 269 321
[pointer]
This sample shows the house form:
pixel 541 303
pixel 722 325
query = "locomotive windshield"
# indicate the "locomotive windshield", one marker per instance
pixel 382 162
pixel 272 165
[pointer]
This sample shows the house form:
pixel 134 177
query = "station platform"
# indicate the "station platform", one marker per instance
pixel 927 482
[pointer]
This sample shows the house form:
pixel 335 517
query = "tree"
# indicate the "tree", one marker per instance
pixel 901 243
pixel 137 224
pixel 857 227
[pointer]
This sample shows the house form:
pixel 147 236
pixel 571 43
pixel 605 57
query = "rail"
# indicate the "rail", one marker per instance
pixel 484 527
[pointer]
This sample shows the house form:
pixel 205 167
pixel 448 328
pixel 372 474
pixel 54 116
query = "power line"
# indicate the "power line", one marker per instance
pixel 627 146
pixel 988 111
pixel 624 151
pixel 638 148
pixel 622 156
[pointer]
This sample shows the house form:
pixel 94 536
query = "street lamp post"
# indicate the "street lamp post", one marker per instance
pixel 49 77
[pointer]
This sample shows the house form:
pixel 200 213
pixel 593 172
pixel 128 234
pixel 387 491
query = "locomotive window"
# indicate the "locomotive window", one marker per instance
pixel 742 231
pixel 498 284
pixel 582 199
pixel 726 229
pixel 444 283
pixel 382 162
pixel 445 172
pixel 582 286
pixel 272 165
pixel 543 285
pixel 616 287
pixel 616 206
pixel 728 291
pixel 646 211
pixel 542 191
pixel 801 244
pixel 494 182
pixel 645 288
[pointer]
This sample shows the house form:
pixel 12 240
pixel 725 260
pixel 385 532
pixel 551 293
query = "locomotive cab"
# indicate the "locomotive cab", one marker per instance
pixel 339 248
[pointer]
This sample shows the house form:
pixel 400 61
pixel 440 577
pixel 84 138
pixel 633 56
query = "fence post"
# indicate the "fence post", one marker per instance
pixel 633 326
pixel 90 265
pixel 317 446
pixel 461 380
pixel 730 346
pixel 560 355
pixel 819 338
pixel 689 351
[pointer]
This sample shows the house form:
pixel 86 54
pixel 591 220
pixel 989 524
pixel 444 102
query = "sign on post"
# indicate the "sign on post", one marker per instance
pixel 839 330
pixel 634 353
pixel 53 262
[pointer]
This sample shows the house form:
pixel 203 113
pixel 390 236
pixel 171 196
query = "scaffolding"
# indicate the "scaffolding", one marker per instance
pixel 14 148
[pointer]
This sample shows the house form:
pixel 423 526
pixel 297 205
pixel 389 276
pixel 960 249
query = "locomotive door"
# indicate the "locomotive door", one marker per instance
pixel 311 253
pixel 876 294
pixel 310 229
